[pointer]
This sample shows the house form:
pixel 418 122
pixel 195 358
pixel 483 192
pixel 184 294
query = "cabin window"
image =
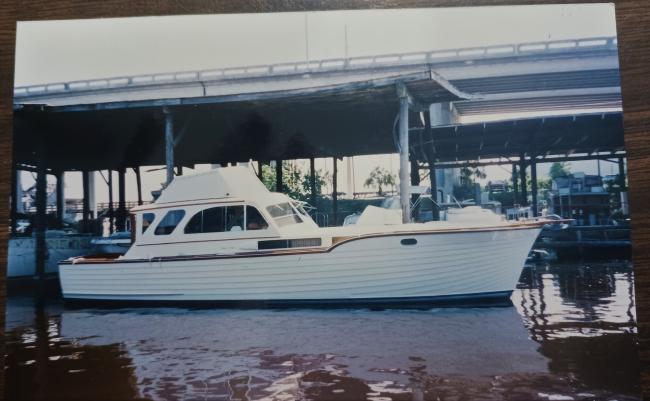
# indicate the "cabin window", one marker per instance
pixel 213 220
pixel 234 218
pixel 169 222
pixel 284 214
pixel 147 219
pixel 216 219
pixel 254 219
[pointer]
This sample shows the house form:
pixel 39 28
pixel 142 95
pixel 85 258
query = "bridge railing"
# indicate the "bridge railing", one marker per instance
pixel 361 62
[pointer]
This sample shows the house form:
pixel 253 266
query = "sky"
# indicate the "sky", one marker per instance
pixel 60 51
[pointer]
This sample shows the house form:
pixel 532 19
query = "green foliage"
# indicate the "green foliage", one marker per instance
pixel 380 178
pixel 559 169
pixel 468 178
pixel 295 181
pixel 469 175
pixel 507 199
pixel 464 191
pixel 543 184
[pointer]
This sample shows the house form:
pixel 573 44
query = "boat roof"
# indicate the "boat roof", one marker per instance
pixel 224 183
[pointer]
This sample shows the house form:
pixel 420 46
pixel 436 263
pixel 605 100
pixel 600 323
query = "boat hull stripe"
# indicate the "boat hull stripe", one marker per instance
pixel 302 251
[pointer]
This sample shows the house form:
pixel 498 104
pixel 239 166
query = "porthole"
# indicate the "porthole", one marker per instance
pixel 409 241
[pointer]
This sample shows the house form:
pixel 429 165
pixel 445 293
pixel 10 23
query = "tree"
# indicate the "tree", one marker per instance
pixel 379 177
pixel 559 169
pixel 468 175
pixel 296 182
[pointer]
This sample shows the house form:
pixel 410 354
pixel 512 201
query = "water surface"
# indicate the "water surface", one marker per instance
pixel 570 334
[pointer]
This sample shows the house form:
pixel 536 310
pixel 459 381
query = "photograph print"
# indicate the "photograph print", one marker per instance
pixel 404 204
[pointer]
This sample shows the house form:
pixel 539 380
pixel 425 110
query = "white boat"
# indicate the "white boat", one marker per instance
pixel 222 236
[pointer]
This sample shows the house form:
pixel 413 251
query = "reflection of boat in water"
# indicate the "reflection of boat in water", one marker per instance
pixel 581 319
pixel 60 245
pixel 404 347
pixel 222 236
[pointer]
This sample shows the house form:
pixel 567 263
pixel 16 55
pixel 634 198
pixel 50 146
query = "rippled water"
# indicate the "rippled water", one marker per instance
pixel 570 335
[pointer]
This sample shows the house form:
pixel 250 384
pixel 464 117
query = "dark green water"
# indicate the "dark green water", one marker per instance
pixel 570 335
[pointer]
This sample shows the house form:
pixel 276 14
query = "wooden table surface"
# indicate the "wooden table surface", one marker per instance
pixel 633 25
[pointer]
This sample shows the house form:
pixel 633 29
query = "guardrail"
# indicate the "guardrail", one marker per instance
pixel 362 62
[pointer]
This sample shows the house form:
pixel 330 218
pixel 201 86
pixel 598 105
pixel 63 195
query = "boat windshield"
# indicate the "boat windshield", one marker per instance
pixel 284 214
pixel 300 209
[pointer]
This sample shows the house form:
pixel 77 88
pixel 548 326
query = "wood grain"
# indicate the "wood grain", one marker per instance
pixel 633 19
pixel 7 44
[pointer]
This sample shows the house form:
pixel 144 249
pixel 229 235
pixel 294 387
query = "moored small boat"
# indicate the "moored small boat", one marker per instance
pixel 222 236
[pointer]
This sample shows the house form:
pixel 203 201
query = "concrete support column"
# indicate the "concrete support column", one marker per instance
pixel 335 195
pixel 20 207
pixel 434 190
pixel 85 181
pixel 121 206
pixel 621 170
pixel 138 183
pixel 312 181
pixel 415 181
pixel 111 210
pixel 279 185
pixel 169 145
pixel 432 168
pixel 40 225
pixel 92 202
pixel 60 198
pixel 404 184
pixel 515 183
pixel 15 200
pixel 443 114
pixel 522 177
pixel 625 207
pixel 533 184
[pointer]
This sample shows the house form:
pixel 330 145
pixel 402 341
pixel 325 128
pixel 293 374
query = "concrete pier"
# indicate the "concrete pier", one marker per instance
pixel 40 223
pixel 111 211
pixel 86 184
pixel 121 206
pixel 279 185
pixel 404 184
pixel 312 181
pixel 522 178
pixel 335 195
pixel 533 185
pixel 169 144
pixel 60 198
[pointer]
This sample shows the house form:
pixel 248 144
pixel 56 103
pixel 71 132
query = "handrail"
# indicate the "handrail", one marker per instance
pixel 353 63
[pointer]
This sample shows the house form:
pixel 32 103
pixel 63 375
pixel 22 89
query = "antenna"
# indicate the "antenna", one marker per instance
pixel 307 39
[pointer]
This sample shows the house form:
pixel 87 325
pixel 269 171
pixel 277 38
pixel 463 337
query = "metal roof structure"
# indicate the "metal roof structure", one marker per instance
pixel 326 108
pixel 330 121
pixel 595 134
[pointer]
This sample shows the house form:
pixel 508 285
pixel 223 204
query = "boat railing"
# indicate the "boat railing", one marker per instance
pixel 321 219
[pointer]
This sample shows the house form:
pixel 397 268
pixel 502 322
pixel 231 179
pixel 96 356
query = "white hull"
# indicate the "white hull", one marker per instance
pixel 445 264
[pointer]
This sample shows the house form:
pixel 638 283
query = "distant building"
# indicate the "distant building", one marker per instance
pixel 497 186
pixel 446 179
pixel 580 197
pixel 610 179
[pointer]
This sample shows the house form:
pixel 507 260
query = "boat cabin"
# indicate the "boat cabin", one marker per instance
pixel 226 210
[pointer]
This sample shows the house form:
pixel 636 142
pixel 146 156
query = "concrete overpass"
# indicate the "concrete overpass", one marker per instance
pixel 582 72
pixel 330 108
